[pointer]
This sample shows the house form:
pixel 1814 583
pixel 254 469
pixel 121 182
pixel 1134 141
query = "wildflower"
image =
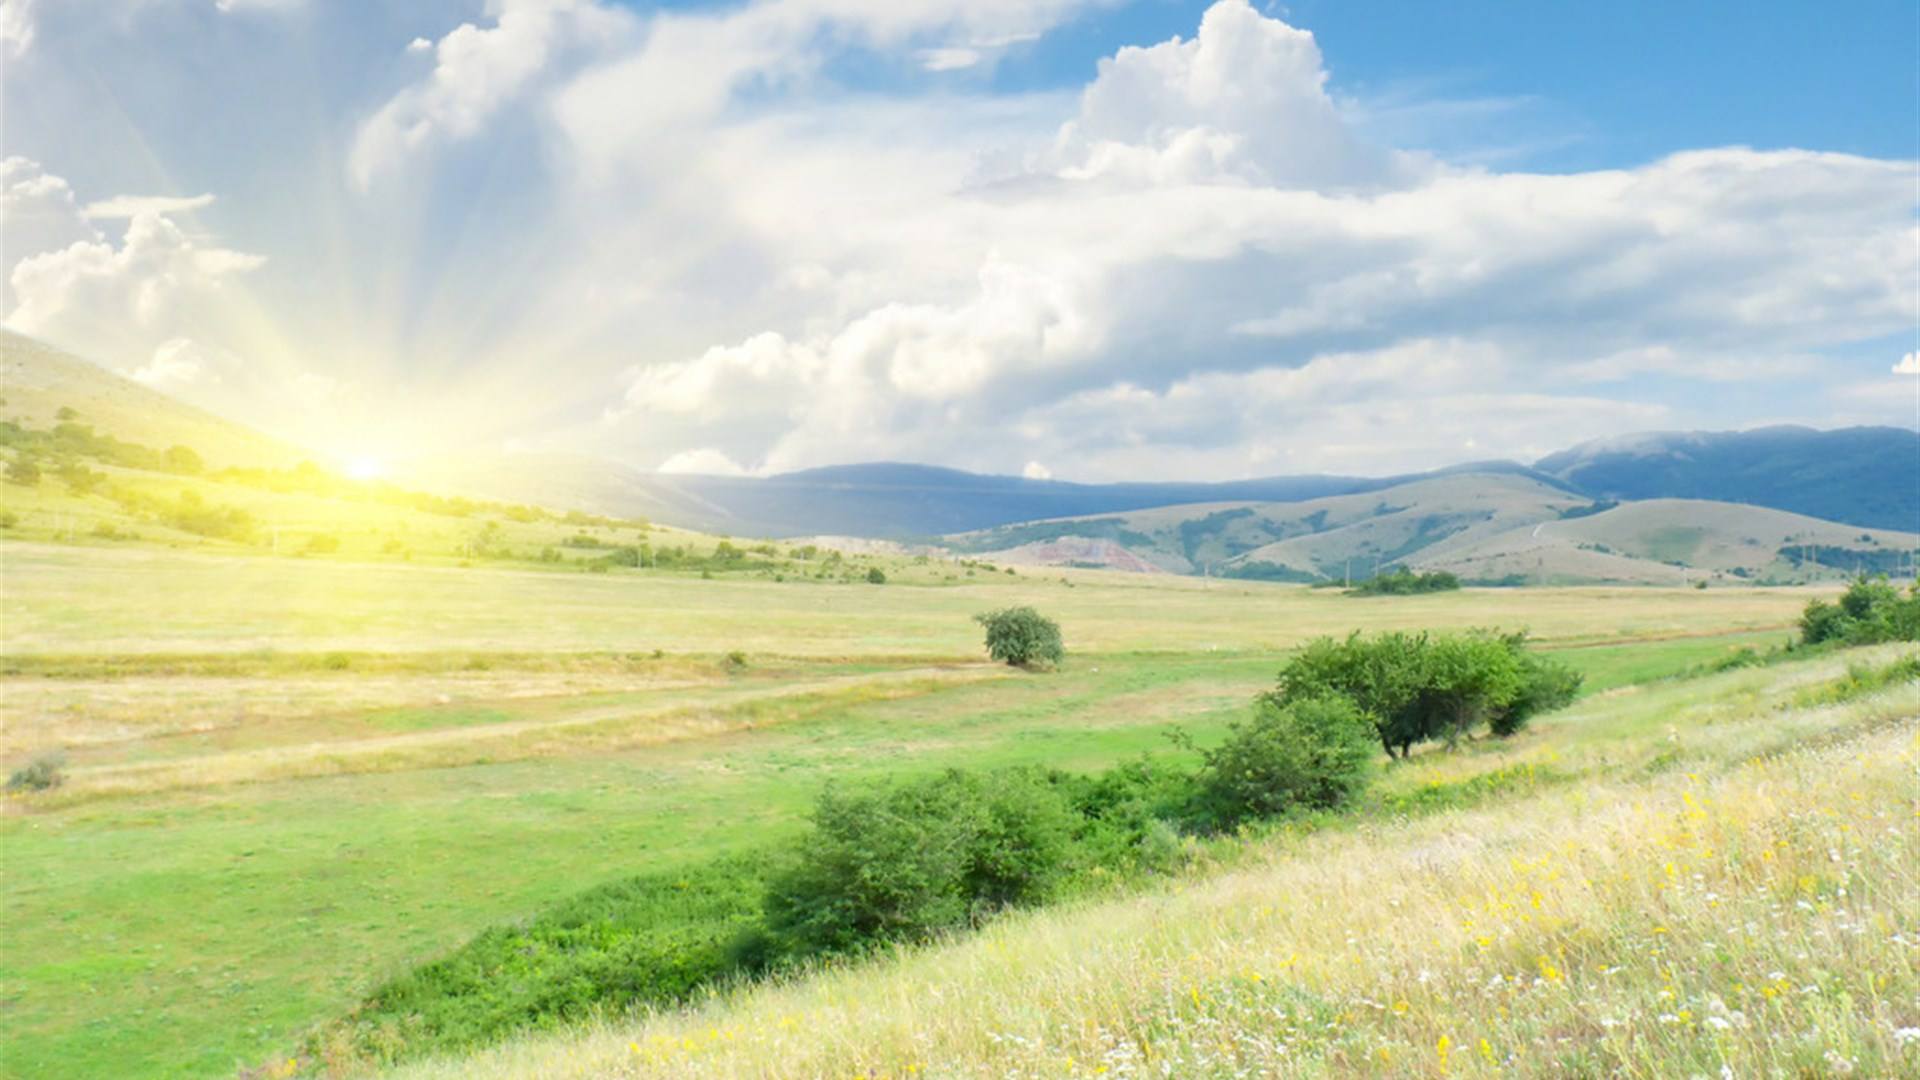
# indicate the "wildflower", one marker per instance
pixel 1906 1036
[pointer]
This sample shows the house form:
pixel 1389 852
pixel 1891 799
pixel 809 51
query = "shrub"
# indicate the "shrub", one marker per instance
pixel 1869 612
pixel 904 863
pixel 876 576
pixel 43 773
pixel 1416 687
pixel 1313 754
pixel 183 459
pixel 1022 637
pixel 1401 581
pixel 23 471
pixel 1545 685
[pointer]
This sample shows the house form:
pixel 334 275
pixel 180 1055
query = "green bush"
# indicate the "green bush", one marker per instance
pixel 1417 687
pixel 1401 581
pixel 43 773
pixel 23 471
pixel 1545 685
pixel 876 576
pixel 1022 637
pixel 904 863
pixel 1314 754
pixel 1869 612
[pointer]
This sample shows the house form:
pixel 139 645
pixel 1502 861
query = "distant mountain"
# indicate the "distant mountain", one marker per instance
pixel 1487 527
pixel 37 381
pixel 1867 477
pixel 1858 476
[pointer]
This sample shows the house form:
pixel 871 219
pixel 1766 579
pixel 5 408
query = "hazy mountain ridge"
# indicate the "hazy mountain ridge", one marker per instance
pixel 1858 476
pixel 1828 497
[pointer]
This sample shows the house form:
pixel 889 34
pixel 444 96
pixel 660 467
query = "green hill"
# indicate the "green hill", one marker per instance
pixel 38 381
pixel 1487 527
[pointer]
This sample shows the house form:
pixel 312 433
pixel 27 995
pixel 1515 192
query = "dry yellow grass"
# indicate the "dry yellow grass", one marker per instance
pixel 703 712
pixel 1751 917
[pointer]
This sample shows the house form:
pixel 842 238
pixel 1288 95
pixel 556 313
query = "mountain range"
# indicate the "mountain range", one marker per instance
pixel 1767 504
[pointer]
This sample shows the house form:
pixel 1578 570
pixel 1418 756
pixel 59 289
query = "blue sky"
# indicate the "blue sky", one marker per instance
pixel 1075 237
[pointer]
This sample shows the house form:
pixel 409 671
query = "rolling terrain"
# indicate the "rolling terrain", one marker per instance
pixel 1301 528
pixel 1486 527
pixel 312 733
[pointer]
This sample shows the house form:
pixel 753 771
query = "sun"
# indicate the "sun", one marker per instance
pixel 366 468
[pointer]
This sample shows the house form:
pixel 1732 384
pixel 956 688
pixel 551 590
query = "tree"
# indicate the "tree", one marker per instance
pixel 876 576
pixel 1022 637
pixel 1545 685
pixel 1467 680
pixel 1416 687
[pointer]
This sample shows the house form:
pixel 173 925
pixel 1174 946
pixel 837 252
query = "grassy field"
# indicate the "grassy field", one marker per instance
pixel 291 778
pixel 1731 899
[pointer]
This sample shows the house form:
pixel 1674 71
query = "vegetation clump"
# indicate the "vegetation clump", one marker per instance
pixel 1401 581
pixel 44 773
pixel 1022 637
pixel 1419 687
pixel 1871 611
pixel 1316 753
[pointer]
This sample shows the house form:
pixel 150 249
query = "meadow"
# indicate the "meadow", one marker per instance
pixel 288 779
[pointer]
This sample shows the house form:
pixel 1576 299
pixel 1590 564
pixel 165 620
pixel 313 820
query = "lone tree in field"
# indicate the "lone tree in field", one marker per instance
pixel 1022 637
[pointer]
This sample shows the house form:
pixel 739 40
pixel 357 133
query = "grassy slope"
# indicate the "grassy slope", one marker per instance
pixel 1643 537
pixel 221 873
pixel 38 381
pixel 1480 526
pixel 1694 876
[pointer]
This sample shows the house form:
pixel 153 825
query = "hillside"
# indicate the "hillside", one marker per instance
pixel 1674 541
pixel 1855 476
pixel 1858 476
pixel 1689 878
pixel 1478 520
pixel 1483 527
pixel 38 381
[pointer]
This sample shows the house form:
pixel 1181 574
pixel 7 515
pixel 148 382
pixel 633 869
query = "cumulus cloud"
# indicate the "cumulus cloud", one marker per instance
pixel 113 300
pixel 476 72
pixel 1244 100
pixel 1036 471
pixel 991 281
pixel 1908 365
pixel 38 213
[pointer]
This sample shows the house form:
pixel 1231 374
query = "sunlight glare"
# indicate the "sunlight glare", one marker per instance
pixel 366 468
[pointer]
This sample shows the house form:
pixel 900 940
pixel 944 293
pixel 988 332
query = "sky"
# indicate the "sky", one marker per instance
pixel 1089 239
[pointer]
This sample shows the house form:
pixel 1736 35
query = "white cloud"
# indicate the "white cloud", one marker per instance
pixel 1244 100
pixel 1036 471
pixel 419 45
pixel 949 58
pixel 177 363
pixel 1908 365
pixel 38 213
pixel 123 207
pixel 118 301
pixel 477 71
pixel 16 27
pixel 703 462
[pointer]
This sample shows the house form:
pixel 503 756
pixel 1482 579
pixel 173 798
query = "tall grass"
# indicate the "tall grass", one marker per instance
pixel 1756 919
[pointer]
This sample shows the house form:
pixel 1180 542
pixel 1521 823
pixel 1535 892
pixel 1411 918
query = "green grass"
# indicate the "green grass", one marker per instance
pixel 293 779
